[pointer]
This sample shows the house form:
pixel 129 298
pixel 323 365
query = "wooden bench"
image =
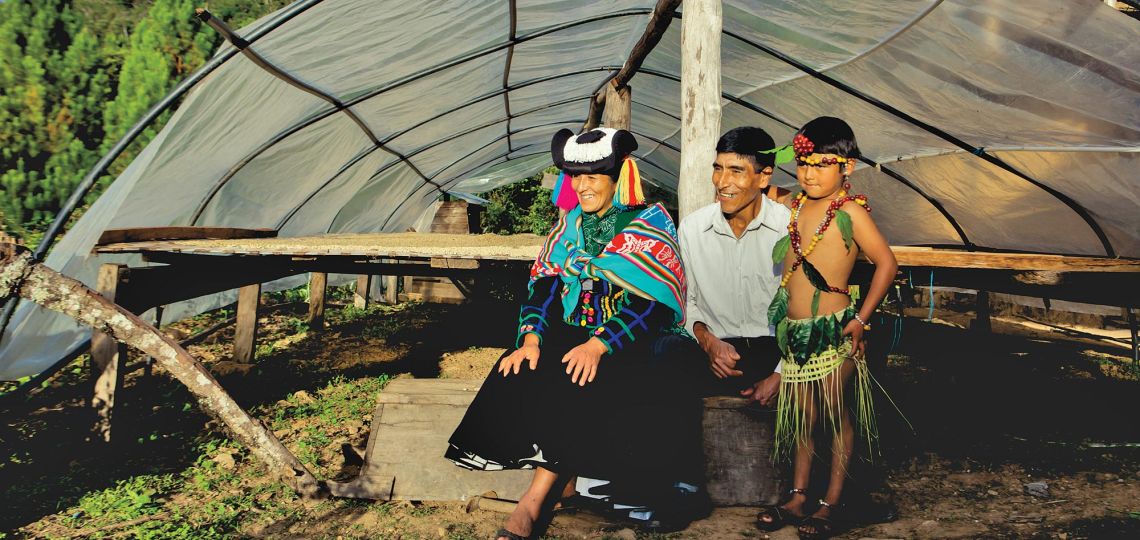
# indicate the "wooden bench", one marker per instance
pixel 414 418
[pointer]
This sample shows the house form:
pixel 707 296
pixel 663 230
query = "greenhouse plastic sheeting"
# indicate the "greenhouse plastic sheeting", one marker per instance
pixel 464 96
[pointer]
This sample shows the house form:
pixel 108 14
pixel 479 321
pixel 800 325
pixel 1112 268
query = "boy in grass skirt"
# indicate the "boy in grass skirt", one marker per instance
pixel 819 330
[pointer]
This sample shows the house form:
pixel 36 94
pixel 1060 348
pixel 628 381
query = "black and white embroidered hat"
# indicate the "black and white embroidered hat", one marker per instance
pixel 598 151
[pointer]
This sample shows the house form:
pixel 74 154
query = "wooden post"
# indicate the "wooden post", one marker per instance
pixel 107 357
pixel 619 107
pixel 1135 343
pixel 363 288
pixel 982 314
pixel 391 290
pixel 700 103
pixel 19 274
pixel 738 448
pixel 245 333
pixel 317 282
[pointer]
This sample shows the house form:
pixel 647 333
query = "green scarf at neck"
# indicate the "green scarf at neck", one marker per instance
pixel 598 230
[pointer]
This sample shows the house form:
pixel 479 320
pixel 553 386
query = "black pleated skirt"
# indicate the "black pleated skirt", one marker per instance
pixel 636 425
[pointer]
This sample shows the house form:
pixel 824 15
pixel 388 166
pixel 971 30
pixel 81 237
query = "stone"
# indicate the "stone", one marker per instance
pixel 625 534
pixel 225 461
pixel 303 397
pixel 1037 489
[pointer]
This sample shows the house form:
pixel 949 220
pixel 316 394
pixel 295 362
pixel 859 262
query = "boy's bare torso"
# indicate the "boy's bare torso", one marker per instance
pixel 830 257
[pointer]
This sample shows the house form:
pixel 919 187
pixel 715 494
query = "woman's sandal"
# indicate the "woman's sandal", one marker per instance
pixel 821 527
pixel 777 515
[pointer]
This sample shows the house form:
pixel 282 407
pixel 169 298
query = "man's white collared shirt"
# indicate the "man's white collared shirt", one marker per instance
pixel 730 280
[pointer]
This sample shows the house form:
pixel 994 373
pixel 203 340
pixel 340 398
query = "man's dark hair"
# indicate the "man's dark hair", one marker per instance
pixel 749 141
pixel 831 135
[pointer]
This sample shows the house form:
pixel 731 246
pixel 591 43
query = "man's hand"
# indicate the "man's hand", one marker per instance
pixel 855 330
pixel 722 356
pixel 764 391
pixel 582 361
pixel 528 352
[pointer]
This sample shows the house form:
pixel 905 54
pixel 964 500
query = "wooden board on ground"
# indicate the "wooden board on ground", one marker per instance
pixel 413 420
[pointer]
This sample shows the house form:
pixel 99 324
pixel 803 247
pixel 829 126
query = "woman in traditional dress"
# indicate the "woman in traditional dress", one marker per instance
pixel 579 394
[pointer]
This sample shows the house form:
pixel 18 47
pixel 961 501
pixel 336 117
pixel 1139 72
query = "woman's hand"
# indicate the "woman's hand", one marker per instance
pixel 582 361
pixel 528 352
pixel 854 329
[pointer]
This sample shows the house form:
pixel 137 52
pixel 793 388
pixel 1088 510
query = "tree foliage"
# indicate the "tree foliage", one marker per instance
pixel 521 207
pixel 75 75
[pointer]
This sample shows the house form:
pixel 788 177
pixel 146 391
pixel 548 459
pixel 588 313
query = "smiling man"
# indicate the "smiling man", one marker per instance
pixel 730 276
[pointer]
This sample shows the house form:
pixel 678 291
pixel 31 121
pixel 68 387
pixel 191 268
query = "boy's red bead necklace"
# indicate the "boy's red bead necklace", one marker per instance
pixel 794 232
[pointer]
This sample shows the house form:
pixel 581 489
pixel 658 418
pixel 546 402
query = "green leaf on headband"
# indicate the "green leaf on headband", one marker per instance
pixel 780 250
pixel 843 220
pixel 817 280
pixel 785 154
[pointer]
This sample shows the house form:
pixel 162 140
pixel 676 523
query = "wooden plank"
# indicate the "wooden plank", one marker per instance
pixel 144 234
pixel 107 357
pixel 408 440
pixel 245 331
pixel 363 287
pixel 950 258
pixel 700 102
pixel 459 264
pixel 317 286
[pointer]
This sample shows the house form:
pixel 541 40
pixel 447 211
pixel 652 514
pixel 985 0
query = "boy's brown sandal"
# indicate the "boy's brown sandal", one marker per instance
pixel 774 516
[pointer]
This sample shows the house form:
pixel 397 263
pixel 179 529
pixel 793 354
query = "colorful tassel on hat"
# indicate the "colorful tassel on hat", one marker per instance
pixel 563 195
pixel 629 191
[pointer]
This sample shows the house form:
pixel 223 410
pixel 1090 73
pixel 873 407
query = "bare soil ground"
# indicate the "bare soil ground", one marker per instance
pixel 1027 404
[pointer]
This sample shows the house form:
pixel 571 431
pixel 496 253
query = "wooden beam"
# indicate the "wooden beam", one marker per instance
pixel 317 285
pixel 147 234
pixel 245 333
pixel 700 103
pixel 658 23
pixel 21 275
pixel 363 287
pixel 108 357
pixel 618 107
pixel 654 30
pixel 1028 262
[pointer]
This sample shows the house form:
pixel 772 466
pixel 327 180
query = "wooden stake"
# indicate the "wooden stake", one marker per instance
pixel 245 334
pixel 317 282
pixel 107 357
pixel 391 290
pixel 700 102
pixel 363 288
pixel 982 314
pixel 46 287
pixel 618 110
